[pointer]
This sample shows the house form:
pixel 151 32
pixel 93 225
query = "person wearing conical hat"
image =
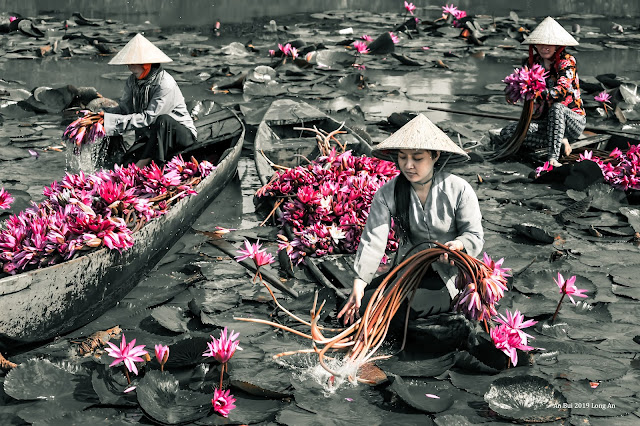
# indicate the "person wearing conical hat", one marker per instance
pixel 152 105
pixel 559 115
pixel 421 204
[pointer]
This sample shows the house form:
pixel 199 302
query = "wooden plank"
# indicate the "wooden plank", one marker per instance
pixel 592 140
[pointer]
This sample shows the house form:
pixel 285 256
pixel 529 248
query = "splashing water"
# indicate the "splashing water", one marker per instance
pixel 306 367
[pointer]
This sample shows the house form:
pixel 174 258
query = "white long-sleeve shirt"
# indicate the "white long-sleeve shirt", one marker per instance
pixel 451 212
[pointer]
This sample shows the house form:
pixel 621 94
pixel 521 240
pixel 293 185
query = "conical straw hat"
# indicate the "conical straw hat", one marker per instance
pixel 419 133
pixel 552 33
pixel 139 50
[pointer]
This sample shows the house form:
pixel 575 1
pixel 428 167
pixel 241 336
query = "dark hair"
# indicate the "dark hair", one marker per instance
pixel 402 199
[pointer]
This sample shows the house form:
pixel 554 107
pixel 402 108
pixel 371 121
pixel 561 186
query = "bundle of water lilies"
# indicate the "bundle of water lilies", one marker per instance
pixel 84 130
pixel 85 212
pixel 525 83
pixel 620 169
pixel 481 284
pixel 326 202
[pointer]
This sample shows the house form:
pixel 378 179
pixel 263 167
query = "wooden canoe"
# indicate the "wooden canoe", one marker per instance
pixel 277 142
pixel 40 304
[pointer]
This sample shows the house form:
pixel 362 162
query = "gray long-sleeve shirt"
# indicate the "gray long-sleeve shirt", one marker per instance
pixel 451 212
pixel 164 98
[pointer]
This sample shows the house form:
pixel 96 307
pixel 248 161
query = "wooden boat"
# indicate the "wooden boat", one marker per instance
pixel 278 142
pixel 40 304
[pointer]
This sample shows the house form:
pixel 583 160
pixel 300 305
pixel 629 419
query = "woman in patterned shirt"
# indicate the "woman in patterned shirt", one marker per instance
pixel 558 115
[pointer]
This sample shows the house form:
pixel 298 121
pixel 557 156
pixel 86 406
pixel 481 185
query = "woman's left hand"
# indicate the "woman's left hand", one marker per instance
pixel 451 245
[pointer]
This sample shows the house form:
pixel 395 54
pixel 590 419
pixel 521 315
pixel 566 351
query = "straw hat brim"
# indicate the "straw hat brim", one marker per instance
pixel 552 33
pixel 419 133
pixel 139 50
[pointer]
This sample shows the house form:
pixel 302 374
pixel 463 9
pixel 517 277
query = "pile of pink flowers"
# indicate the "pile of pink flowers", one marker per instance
pixel 478 302
pixel 620 170
pixel 86 129
pixel 85 212
pixel 327 203
pixel 525 83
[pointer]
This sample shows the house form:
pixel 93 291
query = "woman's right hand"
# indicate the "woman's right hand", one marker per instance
pixel 352 307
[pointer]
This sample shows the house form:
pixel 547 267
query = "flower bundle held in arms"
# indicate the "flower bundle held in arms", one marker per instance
pixel 523 84
pixel 326 203
pixel 85 212
pixel 483 284
pixel 86 129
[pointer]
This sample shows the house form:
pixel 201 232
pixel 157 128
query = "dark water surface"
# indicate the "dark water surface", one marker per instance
pixel 592 341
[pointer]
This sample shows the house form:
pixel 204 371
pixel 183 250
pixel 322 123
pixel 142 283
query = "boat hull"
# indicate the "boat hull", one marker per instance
pixel 44 303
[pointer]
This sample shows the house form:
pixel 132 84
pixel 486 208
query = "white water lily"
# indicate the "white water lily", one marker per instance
pixel 336 233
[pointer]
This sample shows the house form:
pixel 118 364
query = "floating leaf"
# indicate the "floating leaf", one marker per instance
pixel 414 394
pixel 161 398
pixel 417 364
pixel 110 384
pixel 171 318
pixel 583 366
pixel 527 399
pixel 39 379
pixel 187 353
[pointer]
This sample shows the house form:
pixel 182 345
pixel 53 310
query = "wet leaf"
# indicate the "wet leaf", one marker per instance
pixel 171 318
pixel 417 364
pixel 213 301
pixel 262 380
pixel 161 398
pixel 109 384
pixel 249 410
pixel 582 366
pixel 526 399
pixel 418 394
pixel 39 379
pixel 91 417
pixel 188 352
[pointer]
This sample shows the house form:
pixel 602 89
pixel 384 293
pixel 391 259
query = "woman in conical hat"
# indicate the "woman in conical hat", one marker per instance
pixel 558 115
pixel 419 205
pixel 152 105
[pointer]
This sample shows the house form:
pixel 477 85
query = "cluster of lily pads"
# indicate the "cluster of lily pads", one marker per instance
pixel 85 212
pixel 86 129
pixel 525 83
pixel 327 203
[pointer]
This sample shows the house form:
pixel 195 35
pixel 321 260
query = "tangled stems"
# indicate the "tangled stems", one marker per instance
pixel 363 338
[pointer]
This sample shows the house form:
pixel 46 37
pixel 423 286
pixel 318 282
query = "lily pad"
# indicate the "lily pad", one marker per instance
pixel 417 364
pixel 161 398
pixel 187 353
pixel 576 367
pixel 526 399
pixel 171 318
pixel 633 217
pixel 424 396
pixel 249 410
pixel 263 381
pixel 212 301
pixel 110 384
pixel 87 417
pixel 39 379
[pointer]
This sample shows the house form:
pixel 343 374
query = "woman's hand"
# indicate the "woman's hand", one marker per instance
pixel 352 307
pixel 451 245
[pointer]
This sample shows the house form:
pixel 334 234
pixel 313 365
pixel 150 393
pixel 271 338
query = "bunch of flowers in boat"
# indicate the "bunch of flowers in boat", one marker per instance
pixel 85 212
pixel 326 203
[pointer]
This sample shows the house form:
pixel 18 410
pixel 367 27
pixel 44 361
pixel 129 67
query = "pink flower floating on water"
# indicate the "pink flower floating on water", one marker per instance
pixel 222 349
pixel 255 252
pixel 127 353
pixel 361 47
pixel 366 37
pixel 162 355
pixel 394 38
pixel 525 83
pixel 12 18
pixel 288 50
pixel 602 97
pixel 515 323
pixel 223 402
pixel 5 199
pixel 546 167
pixel 449 9
pixel 569 288
pixel 480 305
pixel 409 7
pixel 327 203
pixel 509 341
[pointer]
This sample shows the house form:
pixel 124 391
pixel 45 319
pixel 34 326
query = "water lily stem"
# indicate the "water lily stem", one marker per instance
pixel 222 369
pixel 564 293
pixel 126 373
pixel 162 368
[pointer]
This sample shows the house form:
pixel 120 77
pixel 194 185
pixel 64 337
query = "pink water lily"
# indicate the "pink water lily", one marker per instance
pixel 394 38
pixel 127 353
pixel 409 7
pixel 162 355
pixel 568 287
pixel 525 83
pixel 361 47
pixel 250 251
pixel 515 323
pixel 5 199
pixel 222 349
pixel 12 18
pixel 509 341
pixel 602 97
pixel 223 402
pixel 449 10
pixel 546 167
pixel 366 37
